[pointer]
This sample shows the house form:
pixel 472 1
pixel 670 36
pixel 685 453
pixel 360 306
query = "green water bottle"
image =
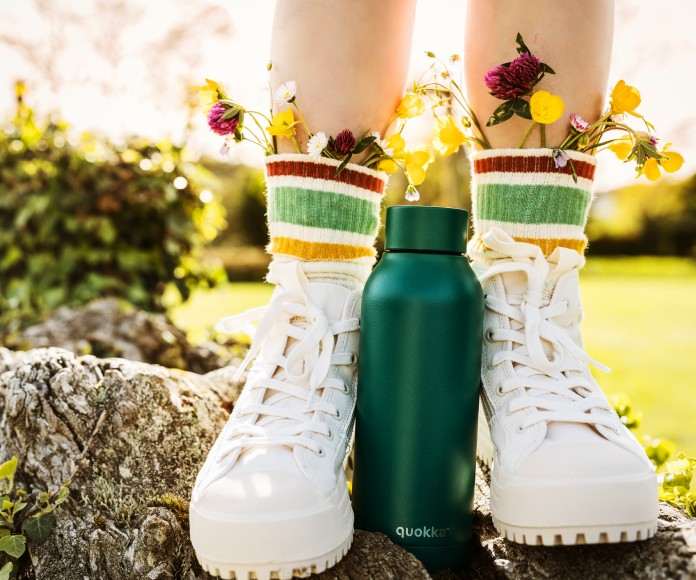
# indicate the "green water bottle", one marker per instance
pixel 418 385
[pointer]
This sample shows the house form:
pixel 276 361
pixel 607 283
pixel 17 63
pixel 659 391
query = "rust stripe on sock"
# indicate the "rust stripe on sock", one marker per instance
pixel 322 171
pixel 531 164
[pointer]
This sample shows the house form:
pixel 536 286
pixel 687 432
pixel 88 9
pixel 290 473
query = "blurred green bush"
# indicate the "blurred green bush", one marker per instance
pixel 657 219
pixel 79 220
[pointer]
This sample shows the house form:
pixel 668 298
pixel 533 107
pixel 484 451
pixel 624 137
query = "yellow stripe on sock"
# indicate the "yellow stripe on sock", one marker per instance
pixel 318 250
pixel 547 245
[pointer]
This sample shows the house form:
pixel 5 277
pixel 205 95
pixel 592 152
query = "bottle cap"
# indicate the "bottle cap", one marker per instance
pixel 428 229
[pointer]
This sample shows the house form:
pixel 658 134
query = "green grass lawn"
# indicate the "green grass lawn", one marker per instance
pixel 640 319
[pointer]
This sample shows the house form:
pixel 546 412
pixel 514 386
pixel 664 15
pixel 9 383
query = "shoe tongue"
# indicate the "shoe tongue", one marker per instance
pixel 330 299
pixel 516 283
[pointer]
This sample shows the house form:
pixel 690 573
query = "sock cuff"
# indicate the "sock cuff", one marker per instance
pixel 525 193
pixel 302 167
pixel 316 215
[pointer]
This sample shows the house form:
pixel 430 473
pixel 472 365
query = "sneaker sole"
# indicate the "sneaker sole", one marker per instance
pixel 276 571
pixel 572 536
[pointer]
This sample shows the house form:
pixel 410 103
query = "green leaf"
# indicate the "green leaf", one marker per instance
pixel 343 164
pixel 363 144
pixel 63 494
pixel 521 108
pixel 37 528
pixel 547 69
pixel 7 469
pixel 5 571
pixel 502 113
pixel 572 168
pixel 521 46
pixel 19 506
pixel 229 113
pixel 13 545
pixel 4 532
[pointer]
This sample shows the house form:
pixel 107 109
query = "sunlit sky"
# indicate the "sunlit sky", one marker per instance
pixel 118 66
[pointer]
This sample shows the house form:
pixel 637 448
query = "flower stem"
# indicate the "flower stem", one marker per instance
pixel 252 113
pixel 294 104
pixel 543 136
pixel 270 146
pixel 527 134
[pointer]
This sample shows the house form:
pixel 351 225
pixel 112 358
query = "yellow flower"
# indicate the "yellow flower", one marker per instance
pixel 651 169
pixel 624 99
pixel 388 166
pixel 211 92
pixel 20 88
pixel 622 148
pixel 416 163
pixel 545 107
pixel 448 137
pixel 410 106
pixel 672 162
pixel 282 124
pixel 397 144
pixel 394 146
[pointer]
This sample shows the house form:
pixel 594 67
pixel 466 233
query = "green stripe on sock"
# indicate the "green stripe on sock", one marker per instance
pixel 532 204
pixel 321 209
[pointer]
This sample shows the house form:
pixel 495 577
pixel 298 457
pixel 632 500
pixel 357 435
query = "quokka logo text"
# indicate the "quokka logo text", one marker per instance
pixel 423 532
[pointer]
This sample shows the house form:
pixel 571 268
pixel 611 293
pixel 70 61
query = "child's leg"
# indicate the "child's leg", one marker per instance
pixel 565 469
pixel 574 37
pixel 349 60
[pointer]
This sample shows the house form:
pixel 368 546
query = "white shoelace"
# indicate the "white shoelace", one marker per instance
pixel 549 387
pixel 294 408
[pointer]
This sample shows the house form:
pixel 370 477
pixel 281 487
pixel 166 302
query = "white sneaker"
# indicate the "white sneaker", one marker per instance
pixel 271 500
pixel 565 469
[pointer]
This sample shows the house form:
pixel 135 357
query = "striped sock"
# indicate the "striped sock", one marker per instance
pixel 523 193
pixel 329 222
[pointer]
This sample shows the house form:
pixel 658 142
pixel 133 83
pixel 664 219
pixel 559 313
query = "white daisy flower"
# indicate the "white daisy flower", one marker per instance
pixel 285 93
pixel 382 143
pixel 316 144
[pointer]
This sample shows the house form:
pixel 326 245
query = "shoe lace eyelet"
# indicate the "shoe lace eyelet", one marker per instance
pixel 500 391
pixel 353 358
pixel 346 389
pixel 338 414
pixel 488 335
pixel 330 435
pixel 320 452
